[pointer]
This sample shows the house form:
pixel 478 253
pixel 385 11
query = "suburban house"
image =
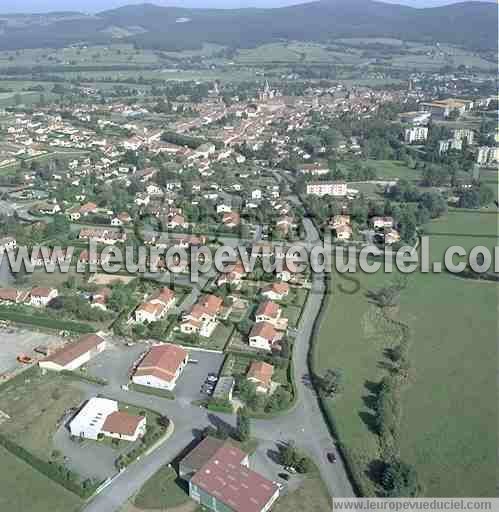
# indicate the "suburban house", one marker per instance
pixel 260 373
pixel 40 297
pixel 263 336
pixel 202 317
pixel 161 367
pixel 271 312
pixel 234 277
pixel 74 355
pixel 156 308
pixel 220 479
pixel 87 209
pixel 101 417
pixel 276 291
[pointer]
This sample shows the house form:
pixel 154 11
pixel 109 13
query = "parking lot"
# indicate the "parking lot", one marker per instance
pixel 14 341
pixel 115 363
pixel 189 385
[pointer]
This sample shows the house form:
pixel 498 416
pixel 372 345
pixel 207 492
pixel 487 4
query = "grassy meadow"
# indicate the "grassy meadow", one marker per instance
pixel 449 407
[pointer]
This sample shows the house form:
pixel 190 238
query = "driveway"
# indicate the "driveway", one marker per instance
pixel 81 457
pixel 193 377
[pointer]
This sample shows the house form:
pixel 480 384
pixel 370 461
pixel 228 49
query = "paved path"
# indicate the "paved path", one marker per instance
pixel 305 424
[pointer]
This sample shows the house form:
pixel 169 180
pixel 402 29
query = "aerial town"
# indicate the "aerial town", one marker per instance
pixel 247 389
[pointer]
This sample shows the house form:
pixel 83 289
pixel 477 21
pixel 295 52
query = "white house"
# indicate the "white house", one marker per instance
pixel 263 336
pixel 276 291
pixel 256 194
pixel 155 308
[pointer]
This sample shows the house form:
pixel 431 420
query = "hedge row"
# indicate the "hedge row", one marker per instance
pixel 162 393
pixel 85 378
pixel 56 472
pixel 45 321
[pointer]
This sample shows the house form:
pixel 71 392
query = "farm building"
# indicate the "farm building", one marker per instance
pixel 220 479
pixel 74 355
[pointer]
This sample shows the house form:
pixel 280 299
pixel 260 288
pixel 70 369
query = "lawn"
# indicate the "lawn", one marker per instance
pixel 466 228
pixel 164 490
pixel 36 405
pixel 25 489
pixel 311 496
pixel 449 407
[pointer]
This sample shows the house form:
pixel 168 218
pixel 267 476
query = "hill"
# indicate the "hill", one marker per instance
pixel 174 28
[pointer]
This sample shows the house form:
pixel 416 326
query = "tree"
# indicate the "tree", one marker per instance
pixel 400 480
pixel 331 383
pixel 243 424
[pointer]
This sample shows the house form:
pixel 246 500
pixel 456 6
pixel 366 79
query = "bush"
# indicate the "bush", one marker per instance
pixel 220 405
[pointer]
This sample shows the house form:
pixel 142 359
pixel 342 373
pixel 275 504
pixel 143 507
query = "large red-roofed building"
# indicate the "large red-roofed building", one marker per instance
pixel 161 366
pixel 224 483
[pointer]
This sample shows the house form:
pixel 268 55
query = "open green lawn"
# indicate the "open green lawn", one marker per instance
pixel 466 228
pixel 311 496
pixel 449 409
pixel 449 426
pixel 36 404
pixel 22 488
pixel 164 490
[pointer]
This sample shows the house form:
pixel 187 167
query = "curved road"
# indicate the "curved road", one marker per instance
pixel 305 423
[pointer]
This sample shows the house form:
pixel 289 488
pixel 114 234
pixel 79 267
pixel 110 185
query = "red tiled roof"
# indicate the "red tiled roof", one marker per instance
pixel 231 483
pixel 122 423
pixel 269 309
pixel 162 361
pixel 74 350
pixel 278 288
pixel 264 330
pixel 41 292
pixel 262 372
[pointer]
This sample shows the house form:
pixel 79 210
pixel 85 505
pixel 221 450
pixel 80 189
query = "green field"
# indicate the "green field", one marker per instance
pixel 311 496
pixel 22 488
pixel 36 404
pixel 164 490
pixel 464 228
pixel 449 408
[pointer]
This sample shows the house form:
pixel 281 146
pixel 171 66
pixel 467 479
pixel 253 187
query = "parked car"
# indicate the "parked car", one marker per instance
pixel 211 378
pixel 284 476
pixel 331 457
pixel 290 469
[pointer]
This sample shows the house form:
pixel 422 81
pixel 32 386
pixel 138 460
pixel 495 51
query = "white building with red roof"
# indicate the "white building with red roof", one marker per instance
pixel 264 336
pixel 156 308
pixel 161 367
pixel 202 317
pixel 101 417
pixel 271 312
pixel 260 373
pixel 276 291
